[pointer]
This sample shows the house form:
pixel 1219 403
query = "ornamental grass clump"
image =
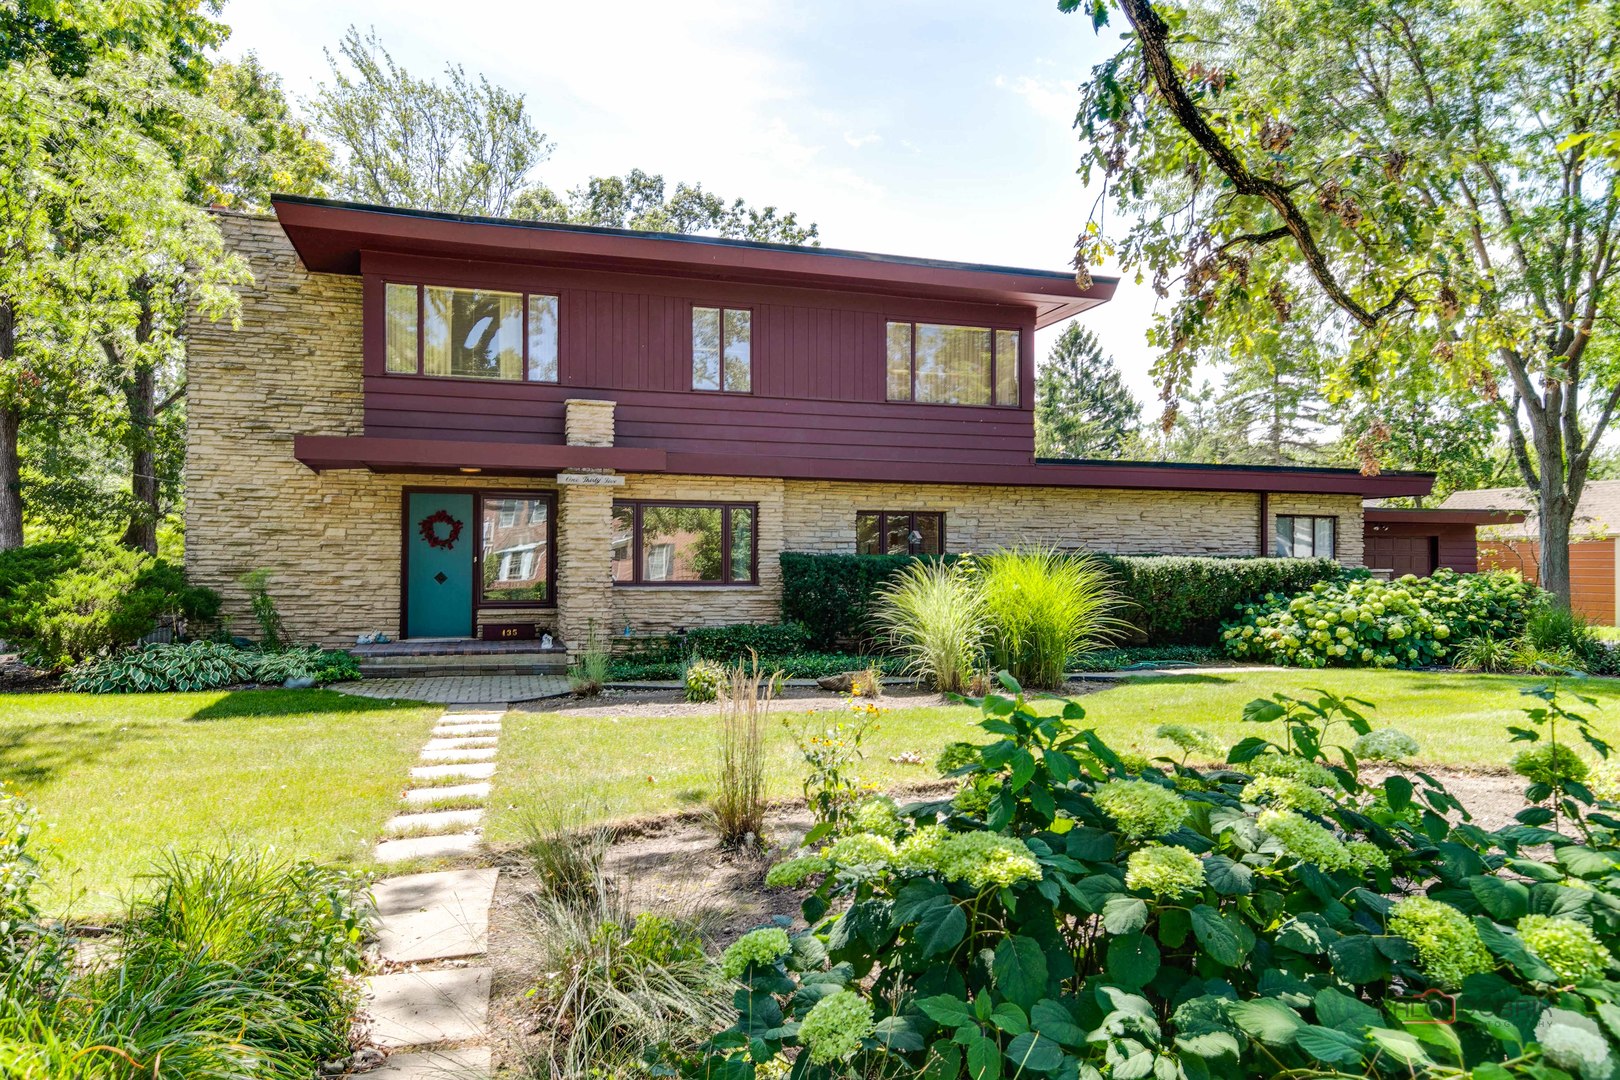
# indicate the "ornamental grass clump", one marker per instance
pixel 738 805
pixel 1045 608
pixel 1066 912
pixel 935 615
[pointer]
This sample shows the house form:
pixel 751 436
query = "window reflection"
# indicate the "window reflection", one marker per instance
pixel 472 334
pixel 516 554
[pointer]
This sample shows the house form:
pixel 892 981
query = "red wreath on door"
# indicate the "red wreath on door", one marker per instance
pixel 429 528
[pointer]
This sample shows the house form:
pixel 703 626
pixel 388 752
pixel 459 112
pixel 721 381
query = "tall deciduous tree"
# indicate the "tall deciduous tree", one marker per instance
pixel 465 146
pixel 1402 176
pixel 1083 409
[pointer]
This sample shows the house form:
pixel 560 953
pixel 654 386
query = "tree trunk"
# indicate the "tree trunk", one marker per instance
pixel 1557 511
pixel 140 392
pixel 11 510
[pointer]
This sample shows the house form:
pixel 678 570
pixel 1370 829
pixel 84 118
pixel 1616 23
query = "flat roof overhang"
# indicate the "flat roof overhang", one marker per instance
pixel 323 452
pixel 1400 515
pixel 330 236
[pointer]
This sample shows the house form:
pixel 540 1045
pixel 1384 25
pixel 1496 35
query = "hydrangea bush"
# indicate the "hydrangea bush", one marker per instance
pixel 1073 913
pixel 1407 623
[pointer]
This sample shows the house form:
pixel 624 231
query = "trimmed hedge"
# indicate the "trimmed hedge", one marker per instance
pixel 804 665
pixel 725 644
pixel 831 595
pixel 1184 600
pixel 1173 599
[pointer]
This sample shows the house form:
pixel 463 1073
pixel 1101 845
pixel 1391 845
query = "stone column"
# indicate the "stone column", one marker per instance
pixel 585 535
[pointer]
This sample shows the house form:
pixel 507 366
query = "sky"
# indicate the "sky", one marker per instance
pixel 933 128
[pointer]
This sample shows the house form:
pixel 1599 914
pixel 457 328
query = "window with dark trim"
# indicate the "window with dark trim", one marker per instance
pixel 679 543
pixel 470 333
pixel 1303 537
pixel 722 350
pixel 907 532
pixel 952 365
pixel 516 540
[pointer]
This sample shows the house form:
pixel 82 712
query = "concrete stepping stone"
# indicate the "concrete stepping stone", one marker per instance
pixel 461 742
pixel 452 723
pixel 435 821
pixel 465 753
pixel 441 916
pixel 426 847
pixel 476 770
pixel 457 714
pixel 470 1064
pixel 421 795
pixel 428 1008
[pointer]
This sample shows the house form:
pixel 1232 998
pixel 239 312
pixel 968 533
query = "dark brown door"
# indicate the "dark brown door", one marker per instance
pixel 1402 554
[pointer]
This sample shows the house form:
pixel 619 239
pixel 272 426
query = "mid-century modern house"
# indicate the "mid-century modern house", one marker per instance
pixel 442 427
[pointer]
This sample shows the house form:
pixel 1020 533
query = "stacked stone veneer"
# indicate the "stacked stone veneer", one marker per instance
pixel 332 540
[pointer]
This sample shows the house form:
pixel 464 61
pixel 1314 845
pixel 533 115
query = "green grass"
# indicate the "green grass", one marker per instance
pixel 611 769
pixel 120 778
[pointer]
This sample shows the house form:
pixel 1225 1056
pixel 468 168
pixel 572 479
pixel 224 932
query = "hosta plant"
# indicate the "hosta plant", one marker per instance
pixel 1071 914
pixel 1408 623
pixel 207 665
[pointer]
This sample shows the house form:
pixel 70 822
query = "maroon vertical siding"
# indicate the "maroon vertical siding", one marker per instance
pixel 819 372
pixel 1451 546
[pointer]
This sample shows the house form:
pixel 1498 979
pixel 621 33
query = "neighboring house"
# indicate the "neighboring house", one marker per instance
pixel 1592 553
pixel 437 426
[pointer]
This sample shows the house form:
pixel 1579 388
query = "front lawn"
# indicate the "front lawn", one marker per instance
pixel 118 778
pixel 621 767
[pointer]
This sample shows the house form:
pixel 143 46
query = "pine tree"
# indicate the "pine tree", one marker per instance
pixel 1082 407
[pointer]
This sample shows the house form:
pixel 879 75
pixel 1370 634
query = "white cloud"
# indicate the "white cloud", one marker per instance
pixel 858 141
pixel 1053 99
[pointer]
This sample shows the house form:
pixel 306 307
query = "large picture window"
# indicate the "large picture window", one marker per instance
pixel 1301 537
pixel 515 554
pixel 684 543
pixel 952 365
pixel 908 532
pixel 470 333
pixel 722 350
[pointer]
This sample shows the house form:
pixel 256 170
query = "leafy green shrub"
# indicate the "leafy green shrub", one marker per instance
pixel 1042 608
pixel 935 615
pixel 728 644
pixel 1183 600
pixel 794 666
pixel 703 679
pixel 1072 913
pixel 1411 622
pixel 832 596
pixel 206 665
pixel 60 603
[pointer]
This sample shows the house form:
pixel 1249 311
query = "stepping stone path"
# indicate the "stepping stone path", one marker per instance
pixel 431 1008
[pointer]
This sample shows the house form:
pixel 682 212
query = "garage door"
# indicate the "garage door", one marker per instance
pixel 1402 554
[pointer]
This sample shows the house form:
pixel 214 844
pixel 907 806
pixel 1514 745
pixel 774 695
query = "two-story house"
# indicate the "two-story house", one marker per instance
pixel 445 427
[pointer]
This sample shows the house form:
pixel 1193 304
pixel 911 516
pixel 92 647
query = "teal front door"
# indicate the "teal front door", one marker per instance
pixel 440 538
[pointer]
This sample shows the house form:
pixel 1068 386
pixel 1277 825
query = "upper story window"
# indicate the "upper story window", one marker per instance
pixel 722 350
pixel 471 333
pixel 952 365
pixel 1301 537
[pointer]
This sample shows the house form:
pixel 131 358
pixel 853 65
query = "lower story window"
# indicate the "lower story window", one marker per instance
pixel 515 550
pixel 1300 537
pixel 684 543
pixel 902 532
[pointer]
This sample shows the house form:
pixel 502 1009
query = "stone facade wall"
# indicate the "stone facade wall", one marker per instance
pixel 333 540
pixel 588 422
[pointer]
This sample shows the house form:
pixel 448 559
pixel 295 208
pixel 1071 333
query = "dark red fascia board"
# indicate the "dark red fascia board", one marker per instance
pixel 1402 515
pixel 329 237
pixel 321 452
pixel 381 454
pixel 1135 475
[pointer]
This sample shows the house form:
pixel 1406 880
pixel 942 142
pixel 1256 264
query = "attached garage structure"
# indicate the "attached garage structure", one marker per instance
pixel 1420 542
